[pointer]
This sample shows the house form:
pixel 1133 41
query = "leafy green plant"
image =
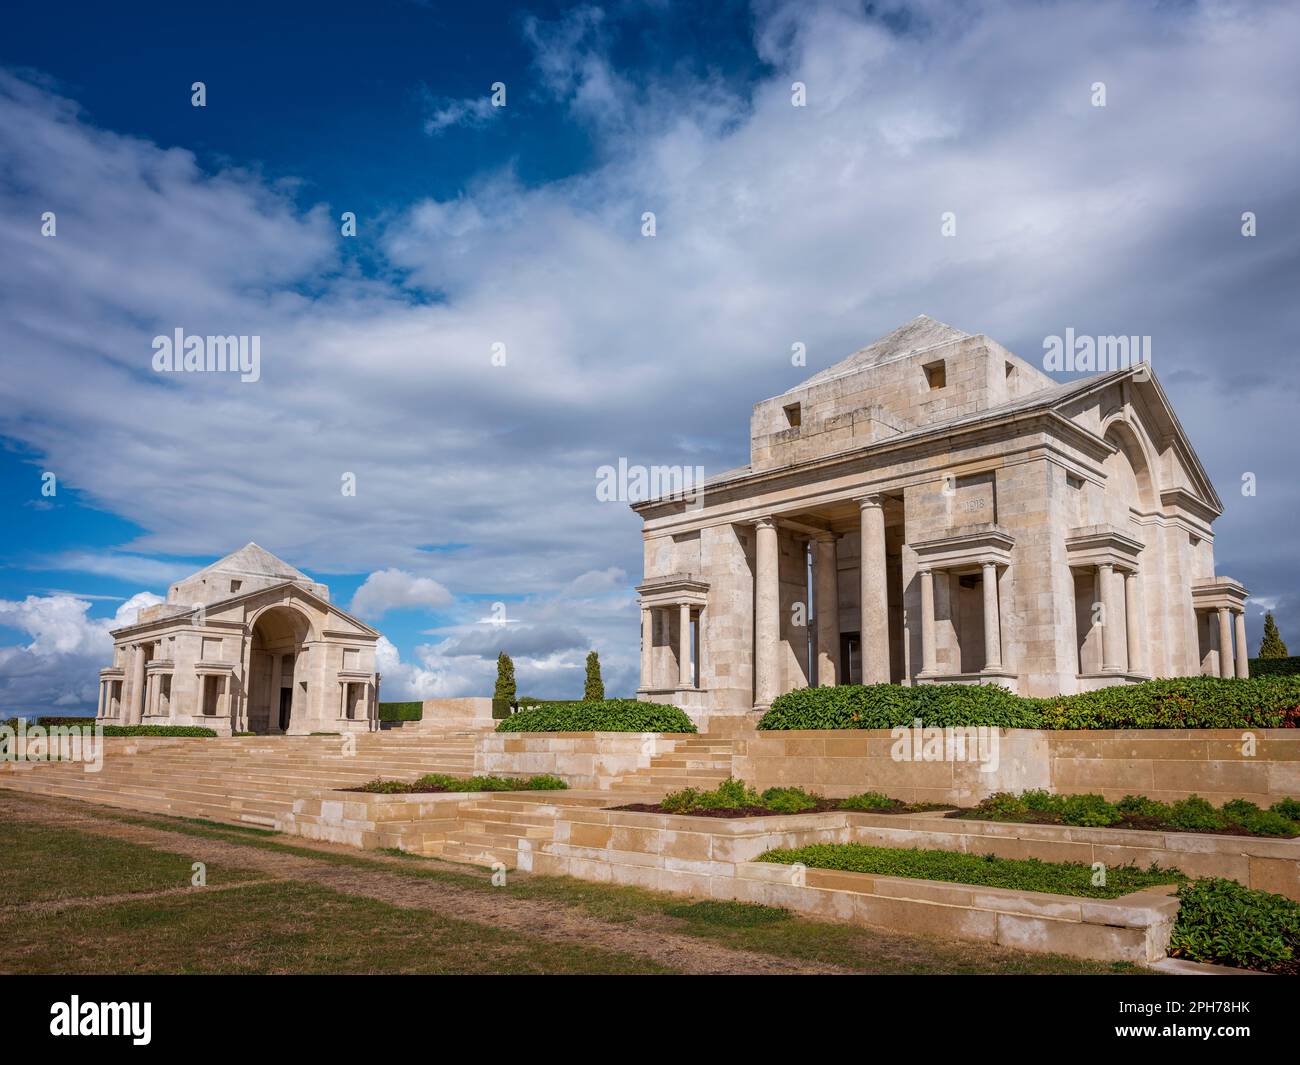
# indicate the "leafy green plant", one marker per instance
pixel 608 715
pixel 1222 921
pixel 1141 806
pixel 883 706
pixel 1087 811
pixel 1288 808
pixel 1182 702
pixel 789 800
pixel 868 800
pixel 1062 878
pixel 1195 814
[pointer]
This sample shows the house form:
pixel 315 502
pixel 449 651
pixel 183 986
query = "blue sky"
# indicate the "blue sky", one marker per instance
pixel 520 225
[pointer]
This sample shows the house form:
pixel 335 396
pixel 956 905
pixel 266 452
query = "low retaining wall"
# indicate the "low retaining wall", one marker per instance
pixel 580 759
pixel 368 819
pixel 1163 764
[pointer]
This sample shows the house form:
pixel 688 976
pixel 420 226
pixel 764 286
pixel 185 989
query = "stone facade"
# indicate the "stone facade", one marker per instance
pixel 1052 538
pixel 248 644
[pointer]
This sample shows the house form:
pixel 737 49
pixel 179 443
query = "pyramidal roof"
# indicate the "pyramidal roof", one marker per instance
pixel 254 561
pixel 920 334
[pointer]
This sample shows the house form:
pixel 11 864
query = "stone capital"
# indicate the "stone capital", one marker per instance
pixel 873 501
pixel 765 522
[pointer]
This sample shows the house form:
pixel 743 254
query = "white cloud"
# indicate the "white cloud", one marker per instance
pixel 445 113
pixel 395 589
pixel 775 224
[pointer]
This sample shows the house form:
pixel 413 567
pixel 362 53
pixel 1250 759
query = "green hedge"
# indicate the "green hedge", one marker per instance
pixel 157 730
pixel 1272 667
pixel 49 722
pixel 1221 921
pixel 891 705
pixel 411 711
pixel 608 715
pixel 1183 702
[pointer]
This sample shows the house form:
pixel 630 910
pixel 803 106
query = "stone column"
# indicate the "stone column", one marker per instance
pixel 992 619
pixel 1111 637
pixel 100 709
pixel 647 647
pixel 1225 642
pixel 273 719
pixel 225 703
pixel 137 686
pixel 1133 622
pixel 929 658
pixel 827 603
pixel 1243 662
pixel 767 618
pixel 873 593
pixel 685 675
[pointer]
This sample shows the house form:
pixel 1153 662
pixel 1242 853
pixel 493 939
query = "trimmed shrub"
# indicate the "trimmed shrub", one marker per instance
pixel 868 800
pixel 410 711
pixel 50 722
pixel 1183 702
pixel 1288 808
pixel 1088 811
pixel 885 706
pixel 1221 921
pixel 1195 814
pixel 608 715
pixel 731 794
pixel 1141 806
pixel 1275 667
pixel 789 800
pixel 157 730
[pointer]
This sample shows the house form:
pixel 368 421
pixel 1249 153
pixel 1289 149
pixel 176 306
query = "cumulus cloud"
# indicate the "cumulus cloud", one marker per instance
pixel 776 225
pixel 395 589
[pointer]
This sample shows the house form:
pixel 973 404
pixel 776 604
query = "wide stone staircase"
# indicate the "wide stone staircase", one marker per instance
pixel 701 761
pixel 250 780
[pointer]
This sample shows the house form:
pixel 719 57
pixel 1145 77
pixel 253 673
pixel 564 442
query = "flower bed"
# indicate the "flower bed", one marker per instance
pixel 438 782
pixel 1058 878
pixel 734 798
pixel 605 715
pixel 1221 922
pixel 1236 817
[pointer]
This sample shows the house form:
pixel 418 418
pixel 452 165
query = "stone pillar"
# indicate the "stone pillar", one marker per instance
pixel 647 647
pixel 101 708
pixel 767 618
pixel 929 659
pixel 1133 622
pixel 273 719
pixel 1225 642
pixel 1243 662
pixel 685 675
pixel 826 591
pixel 1111 637
pixel 137 686
pixel 992 619
pixel 873 593
pixel 225 702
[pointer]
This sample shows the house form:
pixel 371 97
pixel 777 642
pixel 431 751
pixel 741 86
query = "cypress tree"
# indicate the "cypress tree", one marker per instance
pixel 595 687
pixel 505 689
pixel 1271 646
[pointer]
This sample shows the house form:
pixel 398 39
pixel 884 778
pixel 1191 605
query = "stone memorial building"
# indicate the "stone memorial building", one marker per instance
pixel 934 509
pixel 248 644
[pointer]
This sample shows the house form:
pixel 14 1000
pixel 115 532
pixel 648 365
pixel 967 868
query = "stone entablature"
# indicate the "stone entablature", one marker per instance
pixel 908 517
pixel 248 644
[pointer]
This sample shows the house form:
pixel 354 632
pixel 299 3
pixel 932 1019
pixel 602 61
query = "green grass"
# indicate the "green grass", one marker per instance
pixel 287 928
pixel 439 782
pixel 863 950
pixel 1059 878
pixel 43 863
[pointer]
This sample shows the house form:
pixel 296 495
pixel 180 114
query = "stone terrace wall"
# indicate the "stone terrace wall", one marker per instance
pixel 1163 764
pixel 582 759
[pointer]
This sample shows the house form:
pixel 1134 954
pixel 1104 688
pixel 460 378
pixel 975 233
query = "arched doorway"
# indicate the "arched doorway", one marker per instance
pixel 278 670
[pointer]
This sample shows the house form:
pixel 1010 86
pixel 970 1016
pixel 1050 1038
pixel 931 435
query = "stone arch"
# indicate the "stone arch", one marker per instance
pixel 1131 481
pixel 280 635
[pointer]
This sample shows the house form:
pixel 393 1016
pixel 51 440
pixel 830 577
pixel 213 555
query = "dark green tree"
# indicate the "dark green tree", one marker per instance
pixel 595 687
pixel 505 689
pixel 1271 646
